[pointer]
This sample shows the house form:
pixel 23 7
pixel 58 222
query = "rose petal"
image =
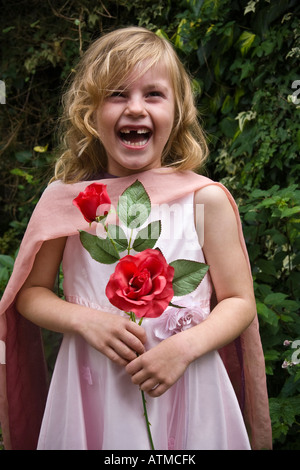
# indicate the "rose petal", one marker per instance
pixel 142 283
pixel 90 199
pixel 175 320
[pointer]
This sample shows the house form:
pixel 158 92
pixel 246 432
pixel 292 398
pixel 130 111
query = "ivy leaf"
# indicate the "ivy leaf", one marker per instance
pixel 134 205
pixel 148 236
pixel 246 40
pixel 188 275
pixel 100 249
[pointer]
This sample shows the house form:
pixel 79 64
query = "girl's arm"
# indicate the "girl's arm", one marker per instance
pixel 235 310
pixel 116 337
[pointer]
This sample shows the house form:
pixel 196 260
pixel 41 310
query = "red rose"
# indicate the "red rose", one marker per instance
pixel 142 284
pixel 90 199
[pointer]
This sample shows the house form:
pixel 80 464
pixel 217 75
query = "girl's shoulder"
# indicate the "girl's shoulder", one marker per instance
pixel 213 195
pixel 221 213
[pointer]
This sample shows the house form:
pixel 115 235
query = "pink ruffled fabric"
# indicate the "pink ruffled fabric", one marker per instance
pixel 174 320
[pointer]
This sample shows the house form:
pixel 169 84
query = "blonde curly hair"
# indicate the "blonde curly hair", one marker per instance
pixel 102 69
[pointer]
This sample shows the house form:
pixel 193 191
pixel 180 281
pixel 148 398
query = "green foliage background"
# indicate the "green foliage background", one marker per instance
pixel 244 59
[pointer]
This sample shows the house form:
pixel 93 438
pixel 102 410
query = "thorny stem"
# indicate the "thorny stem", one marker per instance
pixel 148 424
pixel 147 421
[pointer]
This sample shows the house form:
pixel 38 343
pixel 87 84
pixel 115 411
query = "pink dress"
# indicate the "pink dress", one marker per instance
pixel 92 403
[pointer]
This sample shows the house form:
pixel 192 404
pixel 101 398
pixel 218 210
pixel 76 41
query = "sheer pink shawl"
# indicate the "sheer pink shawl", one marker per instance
pixel 23 376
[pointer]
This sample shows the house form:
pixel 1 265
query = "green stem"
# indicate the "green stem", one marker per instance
pixel 147 421
pixel 133 318
pixel 130 239
pixel 174 305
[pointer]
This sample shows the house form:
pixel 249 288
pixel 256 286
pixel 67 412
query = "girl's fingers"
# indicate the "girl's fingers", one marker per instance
pixel 133 343
pixel 157 391
pixel 137 330
pixel 124 350
pixel 152 387
pixel 115 357
pixel 134 367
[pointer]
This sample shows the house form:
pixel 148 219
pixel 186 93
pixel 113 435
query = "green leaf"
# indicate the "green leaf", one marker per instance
pixel 7 261
pixel 118 236
pixel 283 410
pixel 7 30
pixel 188 275
pixel 271 355
pixel 298 139
pixel 148 236
pixel 4 275
pixel 100 249
pixel 246 39
pixel 267 314
pixel 40 148
pixel 288 211
pixel 23 174
pixel 134 205
pixel 267 267
pixel 275 299
pixel 162 34
pixel 23 156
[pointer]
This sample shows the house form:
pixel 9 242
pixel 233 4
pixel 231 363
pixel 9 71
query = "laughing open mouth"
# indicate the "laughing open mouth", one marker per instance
pixel 135 137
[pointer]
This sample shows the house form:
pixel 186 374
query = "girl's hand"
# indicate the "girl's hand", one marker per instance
pixel 158 369
pixel 117 337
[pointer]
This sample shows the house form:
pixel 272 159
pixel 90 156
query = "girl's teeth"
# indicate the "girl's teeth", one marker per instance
pixel 130 136
pixel 127 130
pixel 135 144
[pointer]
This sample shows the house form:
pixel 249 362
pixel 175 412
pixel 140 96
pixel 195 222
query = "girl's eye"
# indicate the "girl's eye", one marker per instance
pixel 155 94
pixel 117 94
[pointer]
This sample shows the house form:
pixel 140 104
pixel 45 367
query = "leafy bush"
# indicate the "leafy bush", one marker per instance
pixel 271 227
pixel 245 55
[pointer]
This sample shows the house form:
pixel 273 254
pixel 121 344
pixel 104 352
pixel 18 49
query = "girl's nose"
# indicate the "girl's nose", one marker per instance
pixel 135 106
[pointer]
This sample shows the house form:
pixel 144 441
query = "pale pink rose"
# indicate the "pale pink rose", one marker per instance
pixel 174 320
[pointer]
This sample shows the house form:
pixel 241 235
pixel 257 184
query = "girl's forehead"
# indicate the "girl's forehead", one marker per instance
pixel 148 74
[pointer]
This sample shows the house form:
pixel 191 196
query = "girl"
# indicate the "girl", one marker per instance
pixel 129 114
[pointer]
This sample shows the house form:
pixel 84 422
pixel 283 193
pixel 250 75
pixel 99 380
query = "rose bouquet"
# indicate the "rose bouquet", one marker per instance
pixel 143 284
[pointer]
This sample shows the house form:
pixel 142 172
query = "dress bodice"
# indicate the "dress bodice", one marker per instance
pixel 85 279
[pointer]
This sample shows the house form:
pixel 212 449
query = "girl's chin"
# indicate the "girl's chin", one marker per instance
pixel 128 168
